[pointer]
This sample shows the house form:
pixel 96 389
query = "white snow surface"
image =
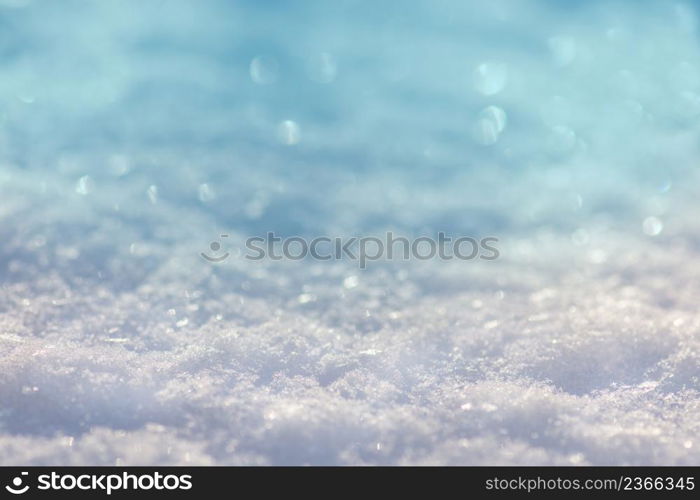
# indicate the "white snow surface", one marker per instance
pixel 132 134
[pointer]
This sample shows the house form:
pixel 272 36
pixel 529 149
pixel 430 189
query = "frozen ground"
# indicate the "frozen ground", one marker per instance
pixel 132 134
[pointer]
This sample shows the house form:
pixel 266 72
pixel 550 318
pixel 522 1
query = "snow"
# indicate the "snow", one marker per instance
pixel 134 134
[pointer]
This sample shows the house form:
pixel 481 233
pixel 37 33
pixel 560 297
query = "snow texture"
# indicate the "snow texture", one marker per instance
pixel 133 134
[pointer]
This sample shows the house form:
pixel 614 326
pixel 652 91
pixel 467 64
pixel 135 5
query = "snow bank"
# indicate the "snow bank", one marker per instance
pixel 134 134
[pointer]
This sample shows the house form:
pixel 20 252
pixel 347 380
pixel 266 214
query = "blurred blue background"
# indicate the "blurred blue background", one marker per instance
pixel 303 111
